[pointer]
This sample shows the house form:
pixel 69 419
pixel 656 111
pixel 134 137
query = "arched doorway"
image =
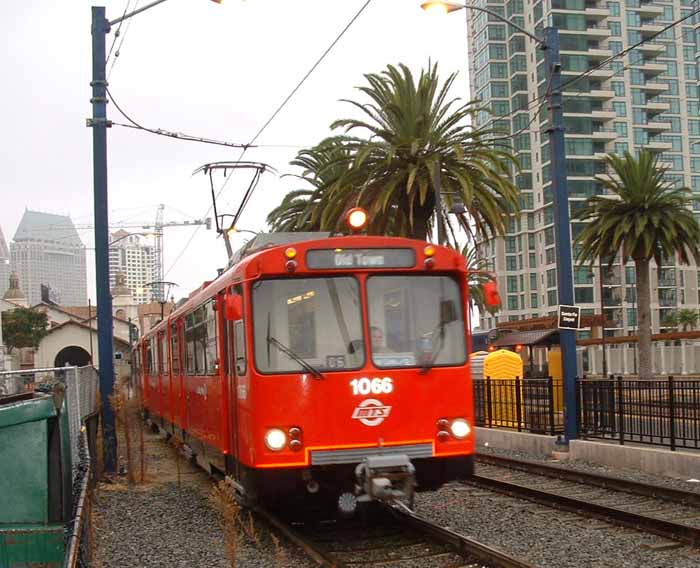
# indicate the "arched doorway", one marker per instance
pixel 72 355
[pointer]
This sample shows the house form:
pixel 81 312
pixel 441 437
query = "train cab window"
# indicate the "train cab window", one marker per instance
pixel 417 321
pixel 307 321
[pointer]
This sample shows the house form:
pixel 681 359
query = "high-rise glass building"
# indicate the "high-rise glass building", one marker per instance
pixel 5 269
pixel 647 98
pixel 47 250
pixel 133 256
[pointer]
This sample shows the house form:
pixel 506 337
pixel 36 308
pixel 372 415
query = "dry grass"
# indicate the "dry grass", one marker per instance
pixel 223 500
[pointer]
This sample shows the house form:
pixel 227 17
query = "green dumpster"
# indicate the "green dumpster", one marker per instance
pixel 35 484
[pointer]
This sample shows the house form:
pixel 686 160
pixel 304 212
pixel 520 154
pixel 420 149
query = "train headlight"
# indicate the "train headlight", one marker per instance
pixel 460 428
pixel 275 439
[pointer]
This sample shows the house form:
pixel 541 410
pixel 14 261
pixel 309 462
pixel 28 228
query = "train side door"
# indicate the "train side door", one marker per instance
pixel 235 367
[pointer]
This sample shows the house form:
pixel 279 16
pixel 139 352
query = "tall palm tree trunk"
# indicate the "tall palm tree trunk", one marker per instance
pixel 644 318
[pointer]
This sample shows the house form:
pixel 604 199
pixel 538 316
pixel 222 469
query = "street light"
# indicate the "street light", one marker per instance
pixel 99 124
pixel 164 294
pixel 550 46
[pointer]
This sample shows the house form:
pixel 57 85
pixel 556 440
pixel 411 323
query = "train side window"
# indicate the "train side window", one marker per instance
pixel 174 349
pixel 211 357
pixel 153 346
pixel 189 344
pixel 239 338
pixel 200 340
pixel 164 352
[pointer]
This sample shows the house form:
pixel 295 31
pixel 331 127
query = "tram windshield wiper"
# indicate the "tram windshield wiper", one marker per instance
pixel 271 340
pixel 430 364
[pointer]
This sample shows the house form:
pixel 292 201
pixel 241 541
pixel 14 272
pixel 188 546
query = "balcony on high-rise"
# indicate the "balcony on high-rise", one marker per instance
pixel 649 9
pixel 657 145
pixel 652 87
pixel 651 48
pixel 602 133
pixel 649 27
pixel 654 106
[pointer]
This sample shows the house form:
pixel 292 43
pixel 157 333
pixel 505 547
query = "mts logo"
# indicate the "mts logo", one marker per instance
pixel 371 412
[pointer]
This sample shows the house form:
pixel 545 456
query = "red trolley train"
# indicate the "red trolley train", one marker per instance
pixel 331 365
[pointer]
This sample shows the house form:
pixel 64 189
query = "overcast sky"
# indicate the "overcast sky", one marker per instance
pixel 194 66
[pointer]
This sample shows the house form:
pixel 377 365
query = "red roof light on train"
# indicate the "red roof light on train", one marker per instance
pixel 357 219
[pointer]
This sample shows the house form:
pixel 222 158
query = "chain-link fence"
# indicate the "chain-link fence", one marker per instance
pixel 79 383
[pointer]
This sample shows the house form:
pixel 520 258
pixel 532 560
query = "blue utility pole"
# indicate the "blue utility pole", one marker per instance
pixel 561 223
pixel 105 337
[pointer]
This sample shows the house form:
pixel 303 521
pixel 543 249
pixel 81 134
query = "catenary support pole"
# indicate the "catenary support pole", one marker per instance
pixel 561 222
pixel 100 28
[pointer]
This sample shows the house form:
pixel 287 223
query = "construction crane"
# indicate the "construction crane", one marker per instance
pixel 157 229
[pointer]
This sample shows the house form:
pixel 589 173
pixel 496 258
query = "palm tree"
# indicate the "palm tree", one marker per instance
pixel 645 218
pixel 321 166
pixel 478 274
pixel 688 318
pixel 413 129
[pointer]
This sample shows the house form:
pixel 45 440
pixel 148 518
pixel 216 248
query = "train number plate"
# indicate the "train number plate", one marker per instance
pixel 377 385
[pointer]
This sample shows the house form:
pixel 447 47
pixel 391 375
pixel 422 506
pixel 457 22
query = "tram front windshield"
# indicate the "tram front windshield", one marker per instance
pixel 304 322
pixel 416 321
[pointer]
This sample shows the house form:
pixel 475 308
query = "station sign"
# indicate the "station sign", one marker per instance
pixel 340 259
pixel 569 317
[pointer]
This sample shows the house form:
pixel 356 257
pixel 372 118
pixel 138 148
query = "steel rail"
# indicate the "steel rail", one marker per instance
pixel 660 527
pixel 464 546
pixel 320 557
pixel 597 480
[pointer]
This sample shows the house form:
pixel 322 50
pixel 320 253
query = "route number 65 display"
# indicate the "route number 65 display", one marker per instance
pixel 365 386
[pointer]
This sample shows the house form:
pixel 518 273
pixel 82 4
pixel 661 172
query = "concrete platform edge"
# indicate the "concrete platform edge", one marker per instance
pixel 655 461
pixel 511 440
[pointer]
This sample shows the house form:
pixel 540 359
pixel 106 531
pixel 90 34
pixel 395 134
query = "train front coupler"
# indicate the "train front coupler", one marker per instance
pixel 386 478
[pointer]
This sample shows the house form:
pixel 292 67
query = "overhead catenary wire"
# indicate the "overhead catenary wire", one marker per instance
pixel 268 122
pixel 121 41
pixel 169 133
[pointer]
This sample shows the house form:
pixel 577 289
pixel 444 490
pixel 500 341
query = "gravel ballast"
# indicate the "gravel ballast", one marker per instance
pixel 158 524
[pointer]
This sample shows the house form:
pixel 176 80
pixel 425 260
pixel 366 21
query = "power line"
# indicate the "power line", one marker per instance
pixel 169 133
pixel 268 122
pixel 121 42
pixel 116 34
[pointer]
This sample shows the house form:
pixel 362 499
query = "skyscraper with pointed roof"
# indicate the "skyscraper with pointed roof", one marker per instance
pixel 4 264
pixel 47 249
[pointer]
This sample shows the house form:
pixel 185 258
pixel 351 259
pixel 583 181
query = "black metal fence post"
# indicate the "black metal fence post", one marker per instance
pixel 621 410
pixel 672 412
pixel 518 403
pixel 489 410
pixel 550 401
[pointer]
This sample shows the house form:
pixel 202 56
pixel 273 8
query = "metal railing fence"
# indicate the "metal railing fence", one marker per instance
pixel 534 405
pixel 660 412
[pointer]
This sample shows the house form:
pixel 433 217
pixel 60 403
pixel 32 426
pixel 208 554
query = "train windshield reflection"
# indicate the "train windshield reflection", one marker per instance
pixel 318 320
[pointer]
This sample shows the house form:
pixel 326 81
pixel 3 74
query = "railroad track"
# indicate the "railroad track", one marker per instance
pixel 387 536
pixel 670 513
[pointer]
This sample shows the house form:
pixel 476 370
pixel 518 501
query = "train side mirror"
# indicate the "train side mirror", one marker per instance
pixel 233 307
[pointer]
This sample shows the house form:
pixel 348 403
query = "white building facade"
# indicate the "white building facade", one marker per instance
pixel 133 256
